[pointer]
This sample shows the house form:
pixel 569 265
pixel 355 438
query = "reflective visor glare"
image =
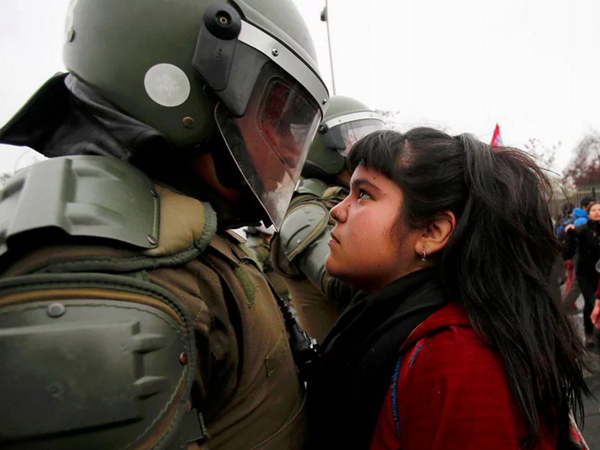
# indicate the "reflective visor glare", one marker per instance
pixel 287 120
pixel 352 132
pixel 270 141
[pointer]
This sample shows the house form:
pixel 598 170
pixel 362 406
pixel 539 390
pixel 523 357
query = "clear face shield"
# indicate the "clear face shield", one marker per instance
pixel 270 103
pixel 269 143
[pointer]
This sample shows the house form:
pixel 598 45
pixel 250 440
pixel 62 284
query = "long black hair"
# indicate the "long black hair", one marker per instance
pixel 500 258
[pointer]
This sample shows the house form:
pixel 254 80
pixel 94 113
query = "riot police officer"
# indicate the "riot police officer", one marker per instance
pixel 299 251
pixel 129 315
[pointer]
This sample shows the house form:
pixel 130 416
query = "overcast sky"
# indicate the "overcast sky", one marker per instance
pixel 532 66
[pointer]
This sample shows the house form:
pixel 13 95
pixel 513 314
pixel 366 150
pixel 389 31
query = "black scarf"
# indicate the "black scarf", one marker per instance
pixel 66 117
pixel 359 356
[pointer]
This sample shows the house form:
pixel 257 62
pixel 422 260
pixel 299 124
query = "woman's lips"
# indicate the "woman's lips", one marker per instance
pixel 333 240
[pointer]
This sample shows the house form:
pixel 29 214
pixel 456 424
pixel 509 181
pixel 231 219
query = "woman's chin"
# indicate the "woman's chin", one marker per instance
pixel 331 266
pixel 338 270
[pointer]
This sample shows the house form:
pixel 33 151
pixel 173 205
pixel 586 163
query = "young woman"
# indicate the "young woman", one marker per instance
pixel 455 339
pixel 585 241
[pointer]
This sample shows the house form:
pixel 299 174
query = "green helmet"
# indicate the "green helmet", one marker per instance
pixel 191 68
pixel 346 121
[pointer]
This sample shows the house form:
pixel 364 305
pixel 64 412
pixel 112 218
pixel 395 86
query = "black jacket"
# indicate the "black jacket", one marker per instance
pixel 66 117
pixel 359 355
pixel 585 241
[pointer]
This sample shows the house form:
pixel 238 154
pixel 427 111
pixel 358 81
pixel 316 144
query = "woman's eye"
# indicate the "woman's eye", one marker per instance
pixel 363 194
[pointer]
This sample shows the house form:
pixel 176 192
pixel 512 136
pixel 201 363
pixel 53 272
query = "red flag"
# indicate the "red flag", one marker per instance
pixel 496 138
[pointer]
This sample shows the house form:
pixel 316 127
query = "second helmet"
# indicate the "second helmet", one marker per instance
pixel 345 122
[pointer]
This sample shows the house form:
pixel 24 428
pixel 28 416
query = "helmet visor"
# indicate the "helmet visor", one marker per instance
pixel 270 142
pixel 344 136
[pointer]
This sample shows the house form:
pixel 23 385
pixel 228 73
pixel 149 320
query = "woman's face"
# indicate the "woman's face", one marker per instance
pixel 594 213
pixel 362 250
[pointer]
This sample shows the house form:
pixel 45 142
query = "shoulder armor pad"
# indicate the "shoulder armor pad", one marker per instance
pixel 94 196
pixel 119 349
pixel 302 225
pixel 311 186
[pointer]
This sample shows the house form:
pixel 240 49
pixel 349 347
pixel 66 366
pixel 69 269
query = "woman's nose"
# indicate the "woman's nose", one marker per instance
pixel 338 212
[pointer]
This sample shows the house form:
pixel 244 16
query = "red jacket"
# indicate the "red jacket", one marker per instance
pixel 450 391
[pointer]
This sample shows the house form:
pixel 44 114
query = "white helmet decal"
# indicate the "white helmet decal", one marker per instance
pixel 167 85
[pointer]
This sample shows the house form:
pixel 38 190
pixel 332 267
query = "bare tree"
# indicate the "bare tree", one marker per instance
pixel 584 167
pixel 544 155
pixel 390 118
pixel 392 121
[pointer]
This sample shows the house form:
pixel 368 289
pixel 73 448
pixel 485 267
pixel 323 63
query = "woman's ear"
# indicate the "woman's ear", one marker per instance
pixel 435 235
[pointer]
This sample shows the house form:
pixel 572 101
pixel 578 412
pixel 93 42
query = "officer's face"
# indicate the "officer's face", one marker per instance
pixel 363 250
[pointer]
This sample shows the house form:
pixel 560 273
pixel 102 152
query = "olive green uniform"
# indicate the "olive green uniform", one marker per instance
pixel 245 383
pixel 126 319
pixel 260 244
pixel 298 253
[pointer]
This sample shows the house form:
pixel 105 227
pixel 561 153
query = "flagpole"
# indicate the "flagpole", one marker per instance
pixel 325 18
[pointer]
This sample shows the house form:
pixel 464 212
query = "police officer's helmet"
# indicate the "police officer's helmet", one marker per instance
pixel 345 122
pixel 191 68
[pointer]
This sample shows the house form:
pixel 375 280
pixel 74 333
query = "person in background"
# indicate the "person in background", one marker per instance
pixel 578 216
pixel 567 212
pixel 455 337
pixel 130 317
pixel 585 204
pixel 595 315
pixel 566 217
pixel 298 251
pixel 584 240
